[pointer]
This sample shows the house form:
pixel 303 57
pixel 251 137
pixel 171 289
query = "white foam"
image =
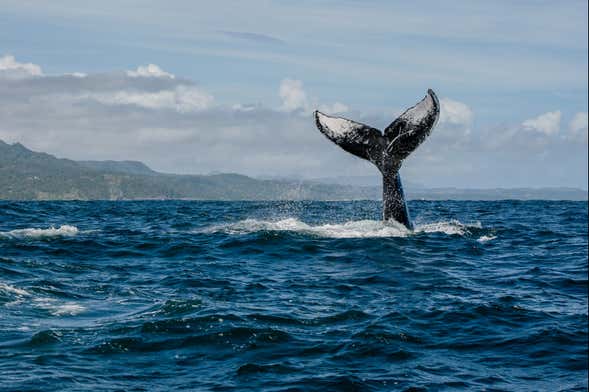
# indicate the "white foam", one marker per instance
pixel 52 305
pixel 452 227
pixel 351 229
pixel 13 290
pixel 486 238
pixel 61 231
pixel 58 309
pixel 69 308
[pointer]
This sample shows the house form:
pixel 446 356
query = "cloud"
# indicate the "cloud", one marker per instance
pixel 455 123
pixel 454 112
pixel 150 71
pixel 180 98
pixel 12 69
pixel 174 125
pixel 170 123
pixel 148 87
pixel 293 96
pixel 579 122
pixel 78 74
pixel 547 123
pixel 334 108
pixel 253 37
pixel 578 126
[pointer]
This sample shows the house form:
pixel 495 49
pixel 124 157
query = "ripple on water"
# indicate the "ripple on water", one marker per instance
pixel 309 296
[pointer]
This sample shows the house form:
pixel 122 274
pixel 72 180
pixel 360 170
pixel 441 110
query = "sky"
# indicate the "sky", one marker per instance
pixel 230 86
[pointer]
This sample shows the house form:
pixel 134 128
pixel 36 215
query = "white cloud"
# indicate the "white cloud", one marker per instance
pixel 180 98
pixel 148 87
pixel 174 126
pixel 579 122
pixel 454 129
pixel 150 71
pixel 455 112
pixel 12 69
pixel 579 125
pixel 335 108
pixel 547 123
pixel 293 96
pixel 245 107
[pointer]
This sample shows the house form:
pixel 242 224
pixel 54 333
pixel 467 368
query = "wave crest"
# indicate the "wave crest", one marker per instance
pixel 486 238
pixel 57 308
pixel 452 227
pixel 351 229
pixel 61 231
pixel 18 295
pixel 6 288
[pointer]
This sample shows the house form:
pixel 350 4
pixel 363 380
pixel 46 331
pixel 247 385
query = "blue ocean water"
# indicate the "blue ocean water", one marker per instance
pixel 292 296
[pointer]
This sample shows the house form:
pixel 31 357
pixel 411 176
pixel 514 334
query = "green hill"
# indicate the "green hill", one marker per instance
pixel 29 175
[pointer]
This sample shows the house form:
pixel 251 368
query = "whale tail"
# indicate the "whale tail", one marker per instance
pixel 386 150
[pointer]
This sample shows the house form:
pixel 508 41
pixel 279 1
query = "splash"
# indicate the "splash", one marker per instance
pixel 351 229
pixel 452 227
pixel 61 231
pixel 486 238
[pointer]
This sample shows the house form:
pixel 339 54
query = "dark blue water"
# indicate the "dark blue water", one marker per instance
pixel 305 296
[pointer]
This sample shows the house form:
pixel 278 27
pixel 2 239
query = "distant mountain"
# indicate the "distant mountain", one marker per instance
pixel 129 167
pixel 30 175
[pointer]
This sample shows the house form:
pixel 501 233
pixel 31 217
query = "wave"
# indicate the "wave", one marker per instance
pixel 61 231
pixel 56 308
pixel 452 227
pixel 351 229
pixel 16 296
pixel 6 288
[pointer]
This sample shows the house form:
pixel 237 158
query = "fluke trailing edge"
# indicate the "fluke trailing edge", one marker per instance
pixel 386 151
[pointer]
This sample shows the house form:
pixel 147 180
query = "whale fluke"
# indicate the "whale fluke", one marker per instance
pixel 386 150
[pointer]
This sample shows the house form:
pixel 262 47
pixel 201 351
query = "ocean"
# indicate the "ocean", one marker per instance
pixel 293 296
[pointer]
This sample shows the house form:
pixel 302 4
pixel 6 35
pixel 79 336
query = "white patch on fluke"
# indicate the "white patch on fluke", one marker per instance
pixel 417 113
pixel 62 231
pixel 351 229
pixel 337 127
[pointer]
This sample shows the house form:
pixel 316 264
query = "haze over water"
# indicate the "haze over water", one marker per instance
pixel 277 296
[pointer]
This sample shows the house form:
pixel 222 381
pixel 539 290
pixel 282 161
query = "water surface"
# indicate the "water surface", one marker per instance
pixel 292 296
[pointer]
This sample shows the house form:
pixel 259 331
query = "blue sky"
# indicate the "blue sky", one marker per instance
pixel 513 76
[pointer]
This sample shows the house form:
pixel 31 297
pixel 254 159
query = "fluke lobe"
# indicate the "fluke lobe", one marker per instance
pixel 386 151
